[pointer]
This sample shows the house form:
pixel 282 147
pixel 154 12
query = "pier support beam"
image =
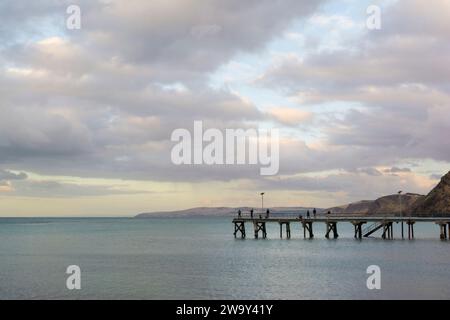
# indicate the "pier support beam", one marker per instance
pixel 443 229
pixel 332 226
pixel 410 224
pixel 288 229
pixel 388 230
pixel 308 227
pixel 239 227
pixel 358 229
pixel 403 234
pixel 260 226
pixel 444 232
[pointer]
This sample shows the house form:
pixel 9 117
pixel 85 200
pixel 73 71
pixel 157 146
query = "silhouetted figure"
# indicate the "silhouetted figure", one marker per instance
pixel 239 213
pixel 260 216
pixel 251 213
pixel 267 214
pixel 300 217
pixel 328 213
pixel 314 212
pixel 307 214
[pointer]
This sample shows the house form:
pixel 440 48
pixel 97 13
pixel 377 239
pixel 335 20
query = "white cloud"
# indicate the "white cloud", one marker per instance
pixel 289 116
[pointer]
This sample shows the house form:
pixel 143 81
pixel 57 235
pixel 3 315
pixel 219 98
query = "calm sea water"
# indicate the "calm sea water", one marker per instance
pixel 198 258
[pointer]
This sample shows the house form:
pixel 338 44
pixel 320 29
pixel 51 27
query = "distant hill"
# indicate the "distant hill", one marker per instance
pixel 225 212
pixel 361 207
pixel 391 204
pixel 437 202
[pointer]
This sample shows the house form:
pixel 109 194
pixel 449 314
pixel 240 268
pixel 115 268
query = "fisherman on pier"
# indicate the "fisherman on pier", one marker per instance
pixel 267 214
pixel 307 214
pixel 314 213
pixel 239 213
pixel 251 213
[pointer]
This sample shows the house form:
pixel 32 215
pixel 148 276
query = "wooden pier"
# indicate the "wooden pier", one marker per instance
pixel 385 224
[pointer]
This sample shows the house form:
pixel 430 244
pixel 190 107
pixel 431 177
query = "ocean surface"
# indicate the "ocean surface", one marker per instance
pixel 198 258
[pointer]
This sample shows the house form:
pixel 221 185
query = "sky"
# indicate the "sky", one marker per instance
pixel 87 114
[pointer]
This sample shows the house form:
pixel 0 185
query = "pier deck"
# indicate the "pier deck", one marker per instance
pixel 375 223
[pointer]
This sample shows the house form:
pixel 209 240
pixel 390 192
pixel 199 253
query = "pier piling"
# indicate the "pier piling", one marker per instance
pixel 443 229
pixel 288 229
pixel 332 227
pixel 410 224
pixel 358 228
pixel 388 231
pixel 308 227
pixel 403 234
pixel 260 226
pixel 239 227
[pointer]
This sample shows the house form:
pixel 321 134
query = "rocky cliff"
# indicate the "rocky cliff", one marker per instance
pixel 391 204
pixel 437 202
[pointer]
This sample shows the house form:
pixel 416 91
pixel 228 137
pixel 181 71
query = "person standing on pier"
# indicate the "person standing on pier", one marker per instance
pixel 267 214
pixel 307 214
pixel 239 213
pixel 251 213
pixel 314 213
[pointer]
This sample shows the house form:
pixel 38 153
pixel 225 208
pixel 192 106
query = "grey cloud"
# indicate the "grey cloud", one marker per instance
pixel 411 138
pixel 180 41
pixel 226 28
pixel 411 48
pixel 397 170
pixel 54 189
pixel 415 17
pixel 356 186
pixel 97 103
pixel 436 176
pixel 370 171
pixel 337 74
pixel 8 175
pixel 201 31
pixel 31 132
pixel 409 54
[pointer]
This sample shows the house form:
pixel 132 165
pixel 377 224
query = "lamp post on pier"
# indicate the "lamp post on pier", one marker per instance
pixel 401 211
pixel 262 202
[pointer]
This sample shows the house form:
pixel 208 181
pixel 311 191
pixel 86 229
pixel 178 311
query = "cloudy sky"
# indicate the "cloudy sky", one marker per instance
pixel 87 115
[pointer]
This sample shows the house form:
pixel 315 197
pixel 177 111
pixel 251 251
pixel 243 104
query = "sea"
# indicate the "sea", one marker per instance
pixel 199 258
